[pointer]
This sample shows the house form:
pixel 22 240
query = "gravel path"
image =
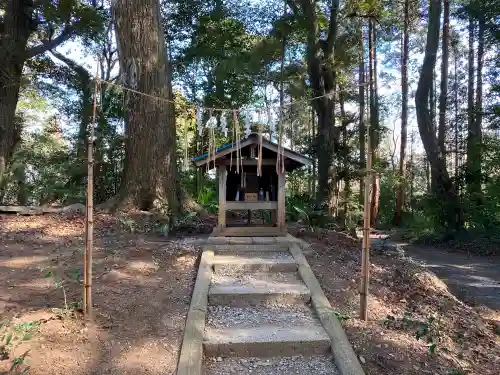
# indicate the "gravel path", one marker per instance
pixel 281 315
pixel 315 365
pixel 228 277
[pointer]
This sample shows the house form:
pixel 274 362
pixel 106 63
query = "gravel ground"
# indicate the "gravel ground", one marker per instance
pixel 298 365
pixel 263 254
pixel 280 315
pixel 231 278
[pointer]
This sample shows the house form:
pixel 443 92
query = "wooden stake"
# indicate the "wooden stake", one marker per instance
pixel 365 257
pixel 89 214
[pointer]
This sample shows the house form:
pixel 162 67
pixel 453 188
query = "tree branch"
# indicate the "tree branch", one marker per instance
pixel 47 45
pixel 77 68
pixel 332 28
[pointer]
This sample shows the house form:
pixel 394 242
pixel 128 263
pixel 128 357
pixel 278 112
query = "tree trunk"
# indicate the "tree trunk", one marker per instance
pixel 400 197
pixel 456 105
pixel 17 25
pixel 475 139
pixel 313 133
pixel 374 121
pixel 432 100
pixel 13 41
pixel 443 95
pixel 362 126
pixel 150 176
pixel 474 136
pixel 444 189
pixel 322 77
pixel 345 161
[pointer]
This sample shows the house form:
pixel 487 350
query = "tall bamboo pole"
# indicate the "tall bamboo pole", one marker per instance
pixel 365 255
pixel 89 212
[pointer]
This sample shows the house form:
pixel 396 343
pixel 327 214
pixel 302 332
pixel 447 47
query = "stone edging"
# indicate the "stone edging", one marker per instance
pixel 191 355
pixel 342 351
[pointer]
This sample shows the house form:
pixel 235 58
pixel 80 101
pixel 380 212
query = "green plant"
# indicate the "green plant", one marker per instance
pixel 208 200
pixel 427 330
pixel 74 276
pixel 176 222
pixel 16 364
pixel 301 208
pixel 341 316
pixel 59 284
pixel 5 341
pixel 25 331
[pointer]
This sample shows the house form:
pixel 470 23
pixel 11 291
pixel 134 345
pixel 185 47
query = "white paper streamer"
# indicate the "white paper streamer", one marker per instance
pixel 248 129
pixel 212 123
pixel 270 122
pixel 199 120
pixel 223 123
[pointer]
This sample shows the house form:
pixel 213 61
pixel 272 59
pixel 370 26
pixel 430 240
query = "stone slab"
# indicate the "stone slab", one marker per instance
pixel 255 289
pixel 236 248
pixel 266 341
pixel 253 264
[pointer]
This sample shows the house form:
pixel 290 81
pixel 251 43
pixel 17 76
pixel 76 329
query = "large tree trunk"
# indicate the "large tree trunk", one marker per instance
pixel 374 121
pixel 13 41
pixel 400 197
pixel 475 138
pixel 322 77
pixel 456 108
pixel 444 189
pixel 150 176
pixel 443 95
pixel 362 126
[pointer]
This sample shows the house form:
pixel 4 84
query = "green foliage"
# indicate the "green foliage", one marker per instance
pixel 61 279
pixel 40 166
pixel 25 331
pixel 303 209
pixel 208 199
pixel 426 330
pixel 15 368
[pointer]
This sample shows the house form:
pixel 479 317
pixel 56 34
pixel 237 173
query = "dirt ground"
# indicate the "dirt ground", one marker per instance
pixel 416 325
pixel 142 289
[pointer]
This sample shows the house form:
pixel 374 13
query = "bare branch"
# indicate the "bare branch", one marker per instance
pixel 77 68
pixel 47 45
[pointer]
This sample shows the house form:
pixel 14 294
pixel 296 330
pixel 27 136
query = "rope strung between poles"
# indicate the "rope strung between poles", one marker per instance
pixel 216 109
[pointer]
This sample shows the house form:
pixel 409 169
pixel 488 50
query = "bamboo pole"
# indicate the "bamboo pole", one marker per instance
pixel 89 212
pixel 365 255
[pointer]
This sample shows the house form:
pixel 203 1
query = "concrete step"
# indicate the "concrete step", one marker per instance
pixel 266 341
pixel 247 263
pixel 241 290
pixel 250 248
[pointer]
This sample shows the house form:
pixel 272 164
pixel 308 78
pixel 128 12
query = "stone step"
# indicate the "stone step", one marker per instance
pixel 255 316
pixel 241 290
pixel 296 365
pixel 241 263
pixel 266 341
pixel 250 248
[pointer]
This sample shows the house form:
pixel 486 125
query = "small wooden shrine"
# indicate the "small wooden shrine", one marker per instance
pixel 253 184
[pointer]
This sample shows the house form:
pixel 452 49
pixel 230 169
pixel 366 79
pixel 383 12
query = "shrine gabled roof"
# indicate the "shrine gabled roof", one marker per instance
pixel 222 151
